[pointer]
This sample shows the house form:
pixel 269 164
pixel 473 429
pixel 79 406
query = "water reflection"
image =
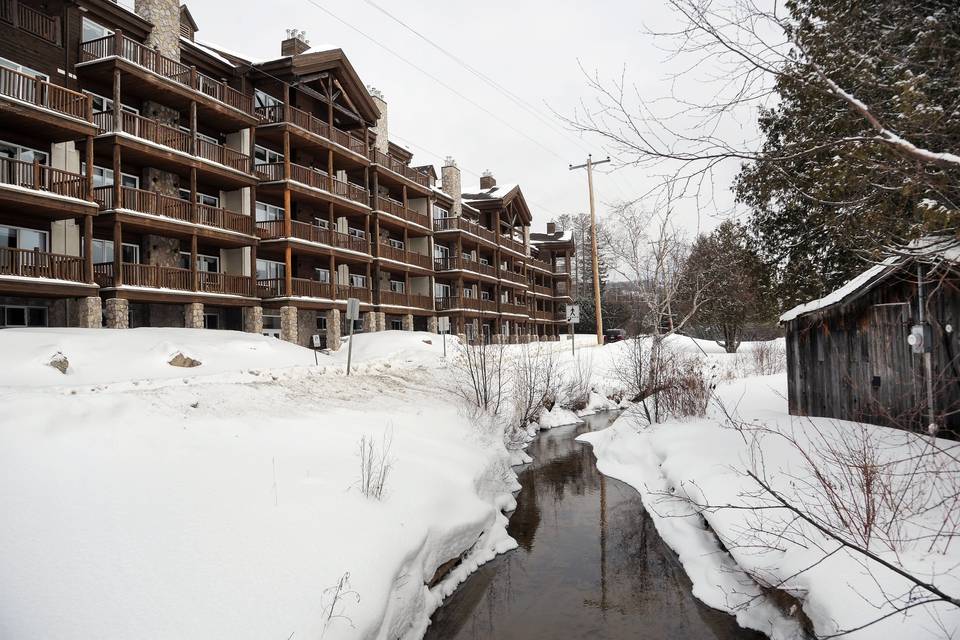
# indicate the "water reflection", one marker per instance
pixel 590 563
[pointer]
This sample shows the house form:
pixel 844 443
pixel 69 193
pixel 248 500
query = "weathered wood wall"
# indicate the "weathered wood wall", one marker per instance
pixel 853 362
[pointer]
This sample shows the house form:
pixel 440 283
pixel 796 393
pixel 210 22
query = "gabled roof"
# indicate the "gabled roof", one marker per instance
pixel 185 16
pixel 497 196
pixel 556 238
pixel 930 249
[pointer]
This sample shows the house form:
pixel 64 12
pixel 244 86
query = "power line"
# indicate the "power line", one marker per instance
pixel 434 78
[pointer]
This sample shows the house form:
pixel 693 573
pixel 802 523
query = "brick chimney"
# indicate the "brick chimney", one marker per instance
pixel 165 17
pixel 487 181
pixel 295 44
pixel 450 181
pixel 382 142
pixel 551 228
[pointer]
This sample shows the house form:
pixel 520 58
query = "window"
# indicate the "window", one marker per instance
pixel 440 212
pixel 323 275
pixel 24 154
pixel 487 262
pixel 485 295
pixel 321 322
pixel 441 290
pixel 441 252
pixel 205 263
pixel 103 177
pixel 103 252
pixel 323 223
pixel 396 244
pixel 93 31
pixel 202 198
pixel 268 212
pixel 396 325
pixel 356 233
pixel 262 155
pixel 271 325
pixel 20 238
pixel 469 293
pixel 357 280
pixel 211 321
pixel 397 286
pixel 103 103
pixel 268 269
pixel 263 99
pixel 22 316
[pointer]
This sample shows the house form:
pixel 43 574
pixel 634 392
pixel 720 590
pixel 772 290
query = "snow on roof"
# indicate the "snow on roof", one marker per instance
pixel 559 236
pixel 213 53
pixel 497 191
pixel 840 294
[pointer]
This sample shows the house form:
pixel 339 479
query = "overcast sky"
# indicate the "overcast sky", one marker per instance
pixel 530 47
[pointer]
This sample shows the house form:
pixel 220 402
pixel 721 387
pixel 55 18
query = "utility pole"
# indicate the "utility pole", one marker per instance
pixel 590 164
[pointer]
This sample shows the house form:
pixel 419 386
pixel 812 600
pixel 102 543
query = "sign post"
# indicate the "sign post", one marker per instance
pixel 353 313
pixel 443 325
pixel 573 317
pixel 316 345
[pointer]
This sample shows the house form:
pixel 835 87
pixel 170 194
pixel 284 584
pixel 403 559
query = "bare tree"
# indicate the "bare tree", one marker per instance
pixel 479 375
pixel 535 385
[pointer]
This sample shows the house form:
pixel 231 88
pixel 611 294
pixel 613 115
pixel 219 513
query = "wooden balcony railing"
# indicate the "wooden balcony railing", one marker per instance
pixel 26 88
pixel 519 278
pixel 540 264
pixel 162 134
pixel 157 204
pixel 459 223
pixel 225 283
pixel 560 315
pixel 387 161
pixel 30 20
pixel 458 302
pixel 274 230
pixel 40 177
pixel 278 113
pixel 316 178
pixel 512 307
pixel 511 243
pixel 395 299
pixel 396 208
pixel 539 288
pixel 34 263
pixel 562 289
pixel 343 292
pixel 139 54
pixel 408 257
pixel 542 315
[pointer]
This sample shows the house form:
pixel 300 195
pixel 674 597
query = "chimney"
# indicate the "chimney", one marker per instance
pixel 450 181
pixel 382 142
pixel 487 181
pixel 164 15
pixel 295 44
pixel 551 228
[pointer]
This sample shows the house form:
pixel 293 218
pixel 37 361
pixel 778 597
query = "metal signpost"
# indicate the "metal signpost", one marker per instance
pixel 573 317
pixel 353 313
pixel 443 326
pixel 316 345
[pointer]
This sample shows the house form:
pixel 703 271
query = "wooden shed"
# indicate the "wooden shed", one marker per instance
pixel 850 355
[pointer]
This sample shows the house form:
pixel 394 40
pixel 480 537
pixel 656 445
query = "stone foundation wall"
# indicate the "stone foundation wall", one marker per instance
pixel 408 322
pixel 193 315
pixel 88 313
pixel 288 324
pixel 432 324
pixel 117 313
pixel 253 319
pixel 333 329
pixel 306 326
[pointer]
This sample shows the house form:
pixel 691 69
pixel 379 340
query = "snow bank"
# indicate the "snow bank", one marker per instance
pixel 558 417
pixel 226 505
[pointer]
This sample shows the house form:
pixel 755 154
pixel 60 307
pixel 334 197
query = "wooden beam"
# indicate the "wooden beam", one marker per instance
pixel 117 253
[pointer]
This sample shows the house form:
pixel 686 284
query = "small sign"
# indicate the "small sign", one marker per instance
pixel 443 324
pixel 316 341
pixel 353 309
pixel 573 313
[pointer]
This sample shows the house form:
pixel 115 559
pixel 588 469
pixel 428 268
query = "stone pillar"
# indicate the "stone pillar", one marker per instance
pixel 288 324
pixel 534 337
pixel 118 313
pixel 408 322
pixel 381 321
pixel 165 17
pixel 193 315
pixel 432 324
pixel 253 319
pixel 88 313
pixel 370 322
pixel 333 329
pixel 496 338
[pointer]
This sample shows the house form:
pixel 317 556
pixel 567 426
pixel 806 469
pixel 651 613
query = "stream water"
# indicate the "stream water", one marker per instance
pixel 590 563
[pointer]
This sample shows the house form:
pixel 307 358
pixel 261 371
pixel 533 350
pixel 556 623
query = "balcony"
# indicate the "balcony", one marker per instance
pixel 543 290
pixel 173 138
pixel 542 315
pixel 393 165
pixel 512 276
pixel 512 244
pixel 307 288
pixel 395 299
pixel 32 21
pixel 27 263
pixel 274 230
pixel 181 84
pixel 458 223
pixel 512 307
pixel 153 276
pixel 174 208
pixel 407 257
pixel 396 208
pixel 315 179
pixel 540 264
pixel 41 108
pixel 463 264
pixel 562 289
pixel 279 114
pixel 456 302
pixel 31 187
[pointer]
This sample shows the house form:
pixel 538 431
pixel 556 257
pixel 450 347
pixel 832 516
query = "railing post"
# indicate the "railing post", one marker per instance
pixel 117 42
pixel 15 13
pixel 36 174
pixel 193 77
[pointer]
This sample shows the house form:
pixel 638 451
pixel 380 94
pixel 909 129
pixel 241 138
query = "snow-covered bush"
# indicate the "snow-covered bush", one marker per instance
pixel 375 464
pixel 478 371
pixel 576 387
pixel 535 383
pixel 769 357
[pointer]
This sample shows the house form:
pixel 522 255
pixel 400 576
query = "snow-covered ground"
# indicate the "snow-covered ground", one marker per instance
pixel 222 500
pixel 707 460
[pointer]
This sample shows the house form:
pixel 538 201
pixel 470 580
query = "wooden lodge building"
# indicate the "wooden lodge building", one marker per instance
pixel 148 179
pixel 850 355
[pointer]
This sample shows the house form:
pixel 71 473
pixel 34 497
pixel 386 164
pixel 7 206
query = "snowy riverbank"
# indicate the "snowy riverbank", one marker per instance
pixel 222 501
